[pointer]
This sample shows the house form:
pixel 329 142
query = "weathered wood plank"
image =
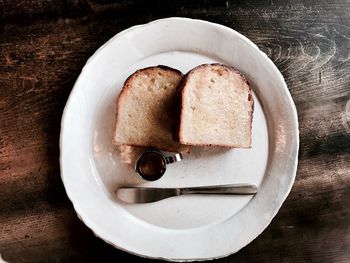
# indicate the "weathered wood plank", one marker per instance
pixel 43 46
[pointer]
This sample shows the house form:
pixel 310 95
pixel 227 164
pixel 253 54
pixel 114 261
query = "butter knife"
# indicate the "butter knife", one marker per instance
pixel 137 195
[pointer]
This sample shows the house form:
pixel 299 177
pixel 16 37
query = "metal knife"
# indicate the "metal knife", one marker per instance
pixel 136 195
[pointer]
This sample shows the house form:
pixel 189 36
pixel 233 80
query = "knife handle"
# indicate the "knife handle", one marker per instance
pixel 242 189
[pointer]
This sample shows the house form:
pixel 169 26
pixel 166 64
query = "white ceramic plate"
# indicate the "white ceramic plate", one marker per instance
pixel 188 227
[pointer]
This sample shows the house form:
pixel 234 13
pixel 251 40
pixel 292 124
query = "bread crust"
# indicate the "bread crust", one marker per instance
pixel 127 85
pixel 181 91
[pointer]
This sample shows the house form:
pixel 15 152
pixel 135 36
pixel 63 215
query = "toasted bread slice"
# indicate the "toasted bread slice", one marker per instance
pixel 145 110
pixel 216 107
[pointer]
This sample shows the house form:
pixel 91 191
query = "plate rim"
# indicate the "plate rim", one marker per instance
pixel 276 71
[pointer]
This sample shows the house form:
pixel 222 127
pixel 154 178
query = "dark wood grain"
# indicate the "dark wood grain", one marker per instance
pixel 45 43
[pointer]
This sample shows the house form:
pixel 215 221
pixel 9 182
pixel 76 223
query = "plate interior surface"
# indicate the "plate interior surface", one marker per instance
pixel 204 166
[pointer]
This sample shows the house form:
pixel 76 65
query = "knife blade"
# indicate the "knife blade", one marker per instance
pixel 136 195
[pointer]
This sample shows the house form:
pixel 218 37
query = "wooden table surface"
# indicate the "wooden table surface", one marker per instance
pixel 45 43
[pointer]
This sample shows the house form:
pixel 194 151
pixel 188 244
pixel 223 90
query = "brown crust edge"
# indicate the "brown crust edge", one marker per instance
pixel 188 149
pixel 125 87
pixel 181 90
pixel 179 108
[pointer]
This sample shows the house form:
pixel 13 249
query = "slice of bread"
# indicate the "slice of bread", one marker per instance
pixel 216 107
pixel 145 110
